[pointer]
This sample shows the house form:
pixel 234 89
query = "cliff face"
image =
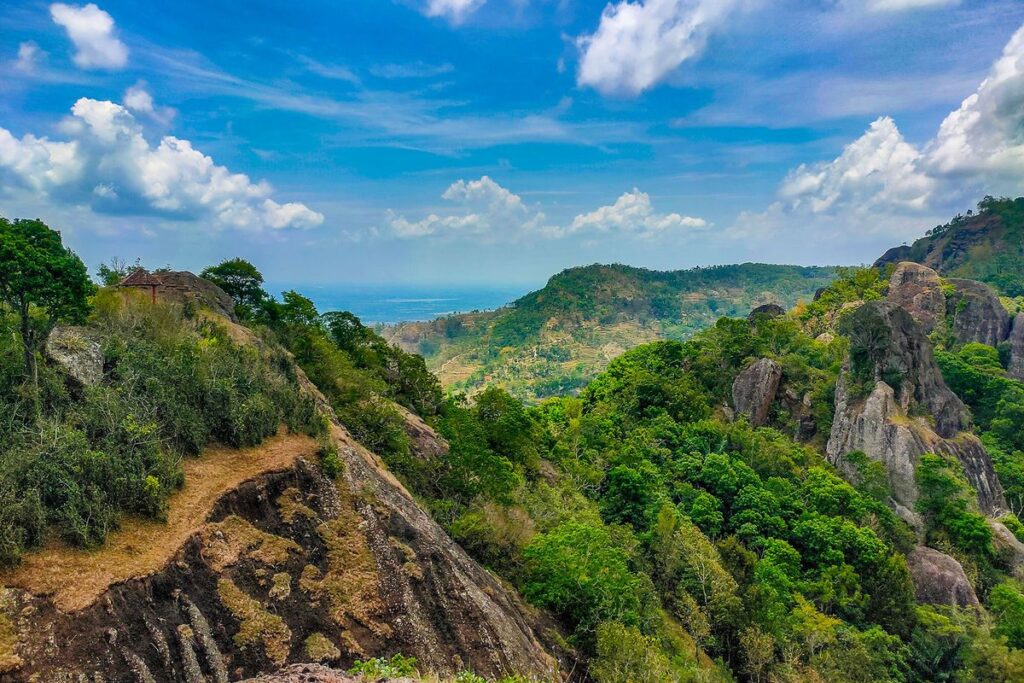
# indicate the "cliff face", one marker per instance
pixel 897 425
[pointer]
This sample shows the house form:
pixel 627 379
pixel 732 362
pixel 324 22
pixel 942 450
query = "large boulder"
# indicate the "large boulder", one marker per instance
pixel 1016 367
pixel 76 351
pixel 754 389
pixel 766 311
pixel 887 345
pixel 917 289
pixel 939 579
pixel 1007 545
pixel 182 287
pixel 976 314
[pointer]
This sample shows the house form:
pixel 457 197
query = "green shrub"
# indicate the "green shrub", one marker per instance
pixel 381 667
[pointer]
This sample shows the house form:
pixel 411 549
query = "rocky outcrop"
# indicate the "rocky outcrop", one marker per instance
pixel 292 566
pixel 917 289
pixel 182 287
pixel 76 351
pixel 897 425
pixel 1016 367
pixel 975 313
pixel 939 579
pixel 887 345
pixel 1006 545
pixel 766 311
pixel 754 389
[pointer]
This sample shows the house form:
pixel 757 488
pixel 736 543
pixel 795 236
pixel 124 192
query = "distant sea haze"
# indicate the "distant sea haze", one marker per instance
pixel 386 304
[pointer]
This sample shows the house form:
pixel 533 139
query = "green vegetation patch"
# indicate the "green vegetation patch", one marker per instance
pixel 257 626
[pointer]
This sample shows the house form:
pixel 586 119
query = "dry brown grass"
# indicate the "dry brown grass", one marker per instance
pixel 9 659
pixel 142 547
pixel 225 543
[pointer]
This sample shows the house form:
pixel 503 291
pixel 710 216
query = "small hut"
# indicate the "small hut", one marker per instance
pixel 140 278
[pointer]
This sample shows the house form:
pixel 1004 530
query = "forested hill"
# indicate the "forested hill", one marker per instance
pixel 555 339
pixel 985 245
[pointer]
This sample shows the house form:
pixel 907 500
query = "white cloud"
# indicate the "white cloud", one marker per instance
pixel 878 169
pixel 454 10
pixel 633 213
pixel 983 140
pixel 29 56
pixel 92 32
pixel 489 211
pixel 486 209
pixel 902 5
pixel 882 183
pixel 637 44
pixel 106 163
pixel 138 100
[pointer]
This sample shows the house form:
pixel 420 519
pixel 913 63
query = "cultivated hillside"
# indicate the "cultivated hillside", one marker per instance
pixel 556 339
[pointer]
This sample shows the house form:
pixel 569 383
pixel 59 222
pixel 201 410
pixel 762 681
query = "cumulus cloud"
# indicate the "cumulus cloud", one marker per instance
pixel 984 138
pixel 107 164
pixel 453 10
pixel 92 32
pixel 483 208
pixel 878 169
pixel 637 44
pixel 633 213
pixel 488 210
pixel 882 182
pixel 138 100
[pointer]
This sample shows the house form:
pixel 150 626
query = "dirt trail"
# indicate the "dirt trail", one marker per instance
pixel 76 578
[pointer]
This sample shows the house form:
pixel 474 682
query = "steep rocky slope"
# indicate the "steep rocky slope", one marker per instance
pixel 287 566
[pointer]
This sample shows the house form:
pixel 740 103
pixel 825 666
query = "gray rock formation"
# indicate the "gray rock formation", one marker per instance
pixel 976 314
pixel 1007 545
pixel 1016 368
pixel 754 389
pixel 887 345
pixel 77 353
pixel 892 425
pixel 939 579
pixel 766 311
pixel 917 289
pixel 182 287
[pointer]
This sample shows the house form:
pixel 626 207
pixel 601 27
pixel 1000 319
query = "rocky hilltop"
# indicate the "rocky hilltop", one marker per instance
pixel 287 565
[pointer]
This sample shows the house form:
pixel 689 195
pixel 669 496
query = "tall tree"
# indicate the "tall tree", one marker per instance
pixel 242 281
pixel 42 281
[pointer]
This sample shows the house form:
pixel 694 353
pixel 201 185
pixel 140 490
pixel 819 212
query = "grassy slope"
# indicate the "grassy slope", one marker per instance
pixel 555 339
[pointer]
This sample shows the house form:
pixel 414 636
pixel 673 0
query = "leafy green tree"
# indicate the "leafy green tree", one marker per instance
pixel 577 571
pixel 1007 604
pixel 42 281
pixel 243 282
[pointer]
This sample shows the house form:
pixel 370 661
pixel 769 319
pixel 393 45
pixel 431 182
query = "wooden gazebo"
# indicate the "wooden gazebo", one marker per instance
pixel 140 278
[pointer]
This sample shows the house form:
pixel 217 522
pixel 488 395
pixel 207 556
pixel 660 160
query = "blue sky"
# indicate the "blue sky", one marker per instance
pixel 499 141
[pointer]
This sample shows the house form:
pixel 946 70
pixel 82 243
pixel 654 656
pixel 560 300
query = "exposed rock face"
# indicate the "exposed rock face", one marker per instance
pixel 77 353
pixel 872 429
pixel 887 343
pixel 893 256
pixel 766 311
pixel 292 567
pixel 917 289
pixel 754 389
pixel 1007 545
pixel 182 287
pixel 1016 368
pixel 939 579
pixel 976 314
